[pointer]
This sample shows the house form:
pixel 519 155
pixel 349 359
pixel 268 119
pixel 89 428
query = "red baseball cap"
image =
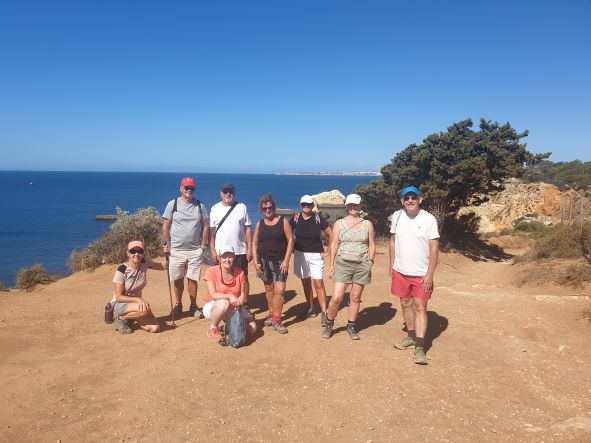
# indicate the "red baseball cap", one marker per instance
pixel 188 181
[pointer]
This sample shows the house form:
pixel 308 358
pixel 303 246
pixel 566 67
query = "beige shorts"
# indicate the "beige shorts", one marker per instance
pixel 185 264
pixel 348 272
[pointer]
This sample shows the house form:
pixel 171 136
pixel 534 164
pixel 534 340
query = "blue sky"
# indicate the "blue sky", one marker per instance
pixel 277 85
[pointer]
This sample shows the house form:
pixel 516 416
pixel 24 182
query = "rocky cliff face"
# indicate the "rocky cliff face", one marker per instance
pixel 532 201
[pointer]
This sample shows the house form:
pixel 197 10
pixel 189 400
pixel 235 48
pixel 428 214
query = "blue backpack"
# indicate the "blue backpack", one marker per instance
pixel 235 328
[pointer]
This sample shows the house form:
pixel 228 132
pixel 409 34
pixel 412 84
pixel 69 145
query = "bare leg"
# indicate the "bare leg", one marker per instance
pixel 336 299
pixel 321 294
pixel 192 287
pixel 278 299
pixel 179 287
pixel 408 312
pixel 269 295
pixel 420 316
pixel 218 312
pixel 145 319
pixel 307 285
pixel 355 301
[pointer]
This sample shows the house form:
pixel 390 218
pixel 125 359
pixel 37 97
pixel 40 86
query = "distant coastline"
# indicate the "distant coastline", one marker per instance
pixel 356 173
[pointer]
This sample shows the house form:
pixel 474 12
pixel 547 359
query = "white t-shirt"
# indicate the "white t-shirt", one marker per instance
pixel 232 233
pixel 411 244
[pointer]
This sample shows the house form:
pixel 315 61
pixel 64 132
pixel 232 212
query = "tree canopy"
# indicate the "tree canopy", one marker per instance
pixel 452 169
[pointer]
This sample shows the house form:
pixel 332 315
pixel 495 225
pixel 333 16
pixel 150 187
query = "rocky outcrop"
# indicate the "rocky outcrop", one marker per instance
pixel 334 197
pixel 518 201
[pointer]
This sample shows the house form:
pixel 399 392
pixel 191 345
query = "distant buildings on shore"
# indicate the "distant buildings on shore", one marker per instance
pixel 360 173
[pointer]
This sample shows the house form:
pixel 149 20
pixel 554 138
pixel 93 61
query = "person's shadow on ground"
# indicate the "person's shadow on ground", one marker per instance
pixel 370 316
pixel 436 324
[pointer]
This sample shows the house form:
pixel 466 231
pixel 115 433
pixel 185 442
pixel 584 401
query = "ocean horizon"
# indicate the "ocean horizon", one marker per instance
pixel 48 214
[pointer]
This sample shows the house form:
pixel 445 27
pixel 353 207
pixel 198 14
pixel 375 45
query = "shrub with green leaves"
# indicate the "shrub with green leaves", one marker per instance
pixel 28 278
pixel 145 224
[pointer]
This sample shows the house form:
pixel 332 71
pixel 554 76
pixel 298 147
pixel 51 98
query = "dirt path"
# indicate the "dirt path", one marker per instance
pixel 506 363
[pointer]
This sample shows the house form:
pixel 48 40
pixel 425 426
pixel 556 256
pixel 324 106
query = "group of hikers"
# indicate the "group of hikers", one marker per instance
pixel 188 229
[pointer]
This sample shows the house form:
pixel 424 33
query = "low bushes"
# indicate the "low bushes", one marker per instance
pixel 144 224
pixel 28 278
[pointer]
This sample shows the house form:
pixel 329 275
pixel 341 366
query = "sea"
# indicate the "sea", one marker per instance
pixel 44 216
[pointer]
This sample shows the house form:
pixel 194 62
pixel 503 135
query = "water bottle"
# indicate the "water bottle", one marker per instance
pixel 109 313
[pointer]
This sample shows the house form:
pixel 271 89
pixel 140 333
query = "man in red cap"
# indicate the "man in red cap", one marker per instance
pixel 185 231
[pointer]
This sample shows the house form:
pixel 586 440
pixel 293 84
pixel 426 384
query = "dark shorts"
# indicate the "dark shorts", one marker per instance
pixel 270 271
pixel 241 262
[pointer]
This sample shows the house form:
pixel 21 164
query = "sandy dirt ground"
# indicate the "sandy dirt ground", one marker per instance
pixel 505 363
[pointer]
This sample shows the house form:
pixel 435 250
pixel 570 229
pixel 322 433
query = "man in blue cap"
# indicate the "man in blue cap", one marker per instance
pixel 414 249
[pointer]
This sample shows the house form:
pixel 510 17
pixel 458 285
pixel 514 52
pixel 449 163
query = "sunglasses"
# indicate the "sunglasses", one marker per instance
pixel 136 251
pixel 228 191
pixel 307 205
pixel 267 208
pixel 189 188
pixel 410 197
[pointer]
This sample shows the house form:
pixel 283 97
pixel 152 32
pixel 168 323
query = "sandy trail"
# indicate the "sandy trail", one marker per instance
pixel 505 363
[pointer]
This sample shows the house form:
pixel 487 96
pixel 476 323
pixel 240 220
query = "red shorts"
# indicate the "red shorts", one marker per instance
pixel 408 286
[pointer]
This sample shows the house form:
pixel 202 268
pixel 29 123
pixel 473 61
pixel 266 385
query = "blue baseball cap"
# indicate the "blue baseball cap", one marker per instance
pixel 412 189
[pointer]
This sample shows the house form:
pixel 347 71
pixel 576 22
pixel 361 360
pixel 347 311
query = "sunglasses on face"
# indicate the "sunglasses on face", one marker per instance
pixel 307 205
pixel 267 208
pixel 410 197
pixel 228 191
pixel 136 251
pixel 189 188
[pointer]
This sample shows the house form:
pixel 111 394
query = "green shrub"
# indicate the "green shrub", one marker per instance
pixel 144 224
pixel 28 278
pixel 533 226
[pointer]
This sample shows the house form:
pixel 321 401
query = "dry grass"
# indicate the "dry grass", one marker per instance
pixel 28 278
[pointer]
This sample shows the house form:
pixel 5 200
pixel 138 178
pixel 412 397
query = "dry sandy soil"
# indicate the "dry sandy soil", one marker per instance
pixel 505 363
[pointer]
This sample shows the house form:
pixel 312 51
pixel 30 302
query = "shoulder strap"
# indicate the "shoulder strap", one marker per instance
pixel 174 206
pixel 317 217
pixel 224 218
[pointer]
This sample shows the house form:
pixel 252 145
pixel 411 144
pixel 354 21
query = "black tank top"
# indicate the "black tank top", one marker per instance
pixel 272 241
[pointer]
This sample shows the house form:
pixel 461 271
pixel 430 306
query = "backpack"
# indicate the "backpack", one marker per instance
pixel 235 327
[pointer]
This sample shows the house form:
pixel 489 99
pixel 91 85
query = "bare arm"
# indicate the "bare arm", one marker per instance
pixel 371 241
pixel 219 295
pixel 334 245
pixel 248 232
pixel 328 233
pixel 290 243
pixel 433 259
pixel 166 223
pixel 122 298
pixel 255 248
pixel 205 233
pixel 392 253
pixel 212 251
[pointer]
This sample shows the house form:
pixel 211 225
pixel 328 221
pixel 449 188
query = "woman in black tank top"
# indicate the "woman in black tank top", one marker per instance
pixel 272 248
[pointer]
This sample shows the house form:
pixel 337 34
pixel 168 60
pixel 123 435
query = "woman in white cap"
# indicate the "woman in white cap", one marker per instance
pixel 226 286
pixel 352 253
pixel 130 280
pixel 309 254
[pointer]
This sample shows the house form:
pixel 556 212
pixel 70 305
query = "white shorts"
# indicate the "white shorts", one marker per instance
pixel 207 307
pixel 308 264
pixel 185 263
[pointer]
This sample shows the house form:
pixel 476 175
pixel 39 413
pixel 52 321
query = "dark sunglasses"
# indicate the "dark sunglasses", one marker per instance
pixel 408 197
pixel 189 188
pixel 228 191
pixel 267 208
pixel 305 205
pixel 136 251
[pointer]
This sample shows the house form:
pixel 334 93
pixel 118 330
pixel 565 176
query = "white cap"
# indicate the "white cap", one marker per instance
pixel 353 199
pixel 225 249
pixel 307 199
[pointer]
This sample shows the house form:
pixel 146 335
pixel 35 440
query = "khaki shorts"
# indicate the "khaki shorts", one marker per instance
pixel 349 272
pixel 185 263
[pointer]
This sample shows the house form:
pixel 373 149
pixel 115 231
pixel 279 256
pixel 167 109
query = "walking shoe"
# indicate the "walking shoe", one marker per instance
pixel 123 326
pixel 214 334
pixel 323 319
pixel 405 343
pixel 353 332
pixel 194 311
pixel 420 357
pixel 278 326
pixel 328 328
pixel 177 310
pixel 269 321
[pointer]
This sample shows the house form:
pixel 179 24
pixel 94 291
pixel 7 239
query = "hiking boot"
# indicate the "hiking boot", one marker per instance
pixel 278 326
pixel 323 319
pixel 405 343
pixel 269 321
pixel 328 328
pixel 177 310
pixel 420 357
pixel 353 332
pixel 214 334
pixel 123 326
pixel 194 311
